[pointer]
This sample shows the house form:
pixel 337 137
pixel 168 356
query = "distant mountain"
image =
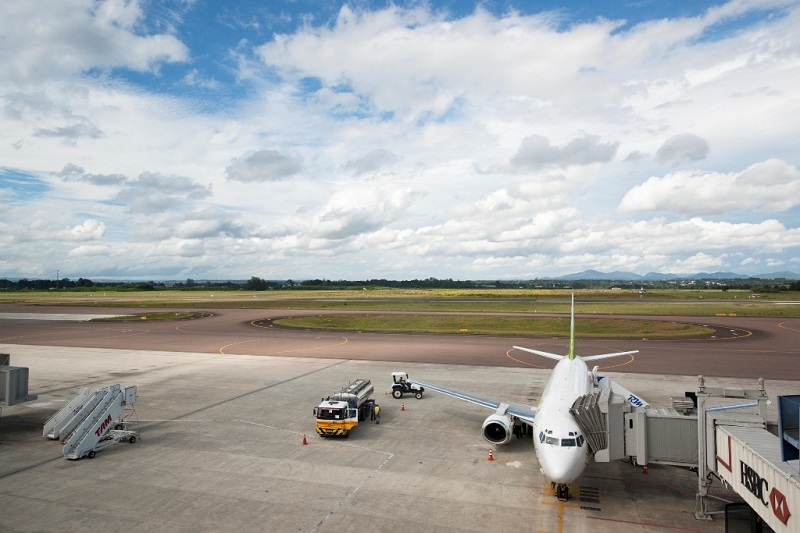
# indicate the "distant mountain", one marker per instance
pixel 778 275
pixel 658 276
pixel 718 275
pixel 596 275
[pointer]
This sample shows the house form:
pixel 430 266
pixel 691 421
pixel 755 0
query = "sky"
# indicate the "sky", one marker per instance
pixel 197 139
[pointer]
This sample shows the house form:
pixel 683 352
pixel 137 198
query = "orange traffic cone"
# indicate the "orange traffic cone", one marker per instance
pixel 491 457
pixel 402 407
pixel 304 440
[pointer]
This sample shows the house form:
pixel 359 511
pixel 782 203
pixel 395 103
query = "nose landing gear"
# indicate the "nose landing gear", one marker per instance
pixel 562 491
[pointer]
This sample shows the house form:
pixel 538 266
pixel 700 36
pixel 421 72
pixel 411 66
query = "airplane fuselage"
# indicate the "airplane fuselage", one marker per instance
pixel 559 444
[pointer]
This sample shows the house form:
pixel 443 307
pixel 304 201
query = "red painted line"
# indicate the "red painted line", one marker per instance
pixel 674 488
pixel 662 526
pixel 730 460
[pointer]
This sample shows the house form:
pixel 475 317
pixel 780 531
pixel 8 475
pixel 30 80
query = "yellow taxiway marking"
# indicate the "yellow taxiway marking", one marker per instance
pixel 783 325
pixel 548 491
pixel 344 341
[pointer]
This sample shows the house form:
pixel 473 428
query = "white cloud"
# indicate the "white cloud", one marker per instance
pixel 359 210
pixel 683 148
pixel 536 152
pixel 89 230
pixel 154 193
pixel 67 37
pixel 264 165
pixel 770 185
pixel 699 262
pixel 372 162
pixel 397 143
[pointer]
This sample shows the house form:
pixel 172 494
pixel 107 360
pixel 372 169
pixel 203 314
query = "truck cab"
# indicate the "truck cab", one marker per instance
pixel 335 418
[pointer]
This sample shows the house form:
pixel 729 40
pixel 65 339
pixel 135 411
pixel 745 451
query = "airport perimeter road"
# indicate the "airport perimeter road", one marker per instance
pixel 742 347
pixel 220 449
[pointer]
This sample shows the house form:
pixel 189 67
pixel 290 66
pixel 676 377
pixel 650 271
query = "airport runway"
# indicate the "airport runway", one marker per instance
pixel 741 347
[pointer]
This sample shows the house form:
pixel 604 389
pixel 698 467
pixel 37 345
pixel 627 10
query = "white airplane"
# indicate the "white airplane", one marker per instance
pixel 559 445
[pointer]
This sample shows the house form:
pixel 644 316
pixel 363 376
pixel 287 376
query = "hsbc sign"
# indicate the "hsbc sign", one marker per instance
pixel 759 487
pixel 779 505
pixel 745 460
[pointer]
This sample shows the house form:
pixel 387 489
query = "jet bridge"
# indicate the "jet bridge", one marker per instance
pixel 722 440
pixel 618 424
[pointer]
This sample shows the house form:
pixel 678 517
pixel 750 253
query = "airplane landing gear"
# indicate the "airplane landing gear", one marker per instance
pixel 562 492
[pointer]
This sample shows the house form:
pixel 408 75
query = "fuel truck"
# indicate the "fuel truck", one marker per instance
pixel 340 412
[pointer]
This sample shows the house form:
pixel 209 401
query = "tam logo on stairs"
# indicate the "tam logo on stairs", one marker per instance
pixel 103 426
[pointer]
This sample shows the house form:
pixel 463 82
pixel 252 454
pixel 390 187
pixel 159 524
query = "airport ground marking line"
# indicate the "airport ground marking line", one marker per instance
pixel 669 486
pixel 648 524
pixel 561 506
pixel 631 360
pixel 210 420
pixel 222 349
pixel 255 391
pixel 353 492
pixel 782 326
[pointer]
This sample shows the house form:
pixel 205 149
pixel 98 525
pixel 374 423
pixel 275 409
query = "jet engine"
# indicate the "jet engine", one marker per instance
pixel 497 429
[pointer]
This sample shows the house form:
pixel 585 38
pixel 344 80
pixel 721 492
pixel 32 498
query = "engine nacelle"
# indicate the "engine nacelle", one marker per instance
pixel 497 429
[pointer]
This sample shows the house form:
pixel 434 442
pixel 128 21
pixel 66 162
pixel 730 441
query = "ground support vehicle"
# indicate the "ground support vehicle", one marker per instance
pixel 340 412
pixel 93 420
pixel 401 386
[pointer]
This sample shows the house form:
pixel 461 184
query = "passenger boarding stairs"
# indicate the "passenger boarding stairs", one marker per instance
pixel 91 419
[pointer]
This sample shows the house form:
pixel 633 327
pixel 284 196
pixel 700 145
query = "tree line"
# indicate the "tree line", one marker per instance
pixel 258 284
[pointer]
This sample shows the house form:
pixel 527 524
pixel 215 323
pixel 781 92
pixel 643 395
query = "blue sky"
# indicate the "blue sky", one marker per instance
pixel 467 140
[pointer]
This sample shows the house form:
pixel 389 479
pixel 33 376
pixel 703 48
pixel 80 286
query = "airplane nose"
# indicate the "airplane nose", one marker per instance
pixel 557 473
pixel 561 468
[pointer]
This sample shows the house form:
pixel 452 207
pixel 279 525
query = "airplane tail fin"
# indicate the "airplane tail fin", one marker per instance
pixel 571 354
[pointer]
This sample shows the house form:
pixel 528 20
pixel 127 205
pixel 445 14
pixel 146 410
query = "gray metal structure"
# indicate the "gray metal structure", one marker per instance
pixel 13 383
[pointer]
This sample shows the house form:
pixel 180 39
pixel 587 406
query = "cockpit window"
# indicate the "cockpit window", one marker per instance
pixel 568 442
pixel 580 440
pixel 551 440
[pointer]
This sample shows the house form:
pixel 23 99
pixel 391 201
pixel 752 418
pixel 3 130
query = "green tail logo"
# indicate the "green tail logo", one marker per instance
pixel 571 353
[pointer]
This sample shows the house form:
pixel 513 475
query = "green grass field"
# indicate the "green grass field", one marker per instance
pixel 495 325
pixel 461 311
pixel 700 303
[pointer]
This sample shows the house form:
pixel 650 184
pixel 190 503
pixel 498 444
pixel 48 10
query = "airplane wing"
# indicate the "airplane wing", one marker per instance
pixel 525 413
